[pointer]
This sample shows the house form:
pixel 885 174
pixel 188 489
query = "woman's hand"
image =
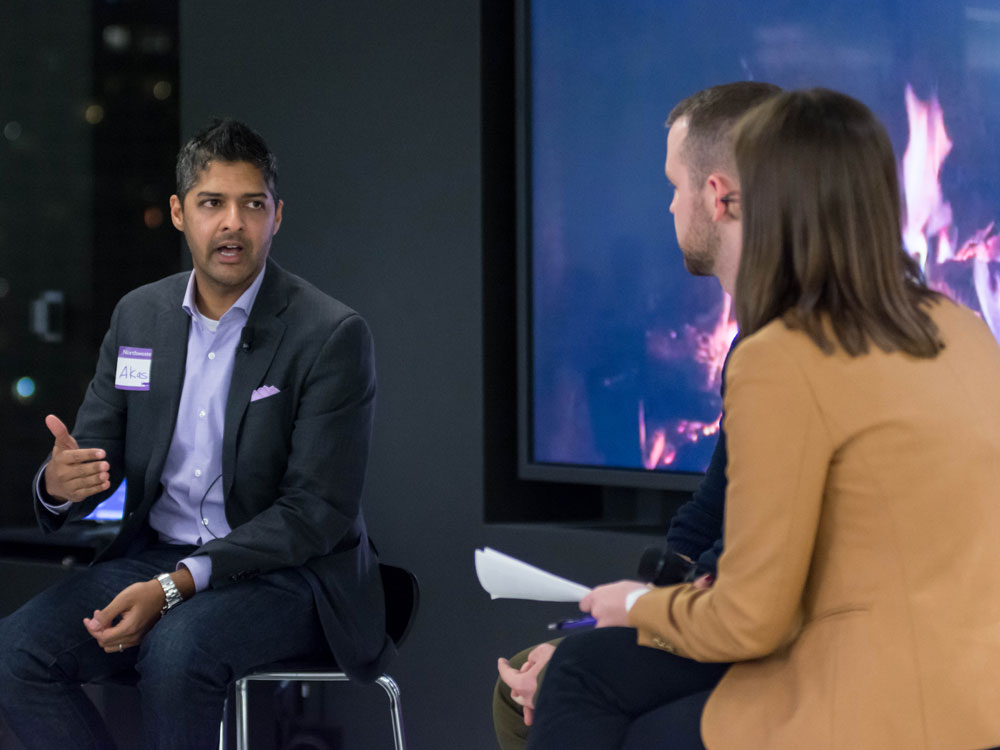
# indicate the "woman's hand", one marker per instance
pixel 607 603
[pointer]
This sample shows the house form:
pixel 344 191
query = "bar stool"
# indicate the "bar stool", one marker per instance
pixel 402 596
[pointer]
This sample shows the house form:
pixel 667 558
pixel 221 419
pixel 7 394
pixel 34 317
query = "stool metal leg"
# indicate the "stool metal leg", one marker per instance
pixel 222 725
pixel 395 709
pixel 242 716
pixel 242 713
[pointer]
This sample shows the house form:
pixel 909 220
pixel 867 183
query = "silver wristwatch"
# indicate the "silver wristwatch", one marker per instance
pixel 170 591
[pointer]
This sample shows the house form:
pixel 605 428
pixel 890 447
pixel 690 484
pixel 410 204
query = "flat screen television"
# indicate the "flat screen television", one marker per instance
pixel 620 350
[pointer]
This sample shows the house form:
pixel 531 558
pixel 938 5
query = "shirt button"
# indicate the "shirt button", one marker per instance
pixel 201 413
pixel 197 472
pixel 205 521
pixel 211 355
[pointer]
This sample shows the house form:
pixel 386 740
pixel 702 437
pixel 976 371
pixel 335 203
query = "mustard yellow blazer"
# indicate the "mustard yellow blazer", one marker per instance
pixel 859 590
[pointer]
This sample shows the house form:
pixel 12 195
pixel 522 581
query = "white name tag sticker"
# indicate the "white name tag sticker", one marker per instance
pixel 132 372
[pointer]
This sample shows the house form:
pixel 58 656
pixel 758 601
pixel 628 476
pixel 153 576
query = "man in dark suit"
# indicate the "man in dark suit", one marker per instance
pixel 237 402
pixel 700 167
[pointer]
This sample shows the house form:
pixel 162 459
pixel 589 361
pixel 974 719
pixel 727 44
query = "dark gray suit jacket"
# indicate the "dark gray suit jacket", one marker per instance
pixel 293 464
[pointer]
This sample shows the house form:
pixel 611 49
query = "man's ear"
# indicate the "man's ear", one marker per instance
pixel 719 186
pixel 177 212
pixel 277 217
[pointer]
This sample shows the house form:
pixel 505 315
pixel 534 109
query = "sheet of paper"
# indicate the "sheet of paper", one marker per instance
pixel 506 577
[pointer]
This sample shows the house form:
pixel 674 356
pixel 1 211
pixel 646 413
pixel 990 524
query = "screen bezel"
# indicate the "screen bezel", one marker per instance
pixel 528 468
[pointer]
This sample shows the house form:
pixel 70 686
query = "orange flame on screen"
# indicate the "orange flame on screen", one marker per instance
pixel 927 213
pixel 929 233
pixel 713 346
pixel 659 445
pixel 656 451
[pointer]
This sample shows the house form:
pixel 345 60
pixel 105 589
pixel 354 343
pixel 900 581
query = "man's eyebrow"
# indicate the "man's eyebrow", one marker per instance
pixel 210 194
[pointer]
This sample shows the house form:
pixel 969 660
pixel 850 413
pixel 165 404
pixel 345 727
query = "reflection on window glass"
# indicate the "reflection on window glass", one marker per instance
pixel 89 130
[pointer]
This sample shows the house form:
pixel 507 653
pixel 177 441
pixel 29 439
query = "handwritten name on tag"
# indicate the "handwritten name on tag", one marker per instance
pixel 132 371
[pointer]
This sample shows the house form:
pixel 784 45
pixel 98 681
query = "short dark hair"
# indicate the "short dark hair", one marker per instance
pixel 711 115
pixel 225 140
pixel 822 244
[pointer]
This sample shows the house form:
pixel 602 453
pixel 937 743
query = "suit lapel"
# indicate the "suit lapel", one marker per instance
pixel 250 367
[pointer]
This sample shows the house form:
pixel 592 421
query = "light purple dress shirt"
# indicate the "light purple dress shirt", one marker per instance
pixel 190 507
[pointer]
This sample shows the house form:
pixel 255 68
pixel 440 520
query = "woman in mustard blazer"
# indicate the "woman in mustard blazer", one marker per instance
pixel 858 596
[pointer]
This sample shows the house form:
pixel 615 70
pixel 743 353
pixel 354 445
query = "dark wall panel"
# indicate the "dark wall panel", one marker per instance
pixel 374 110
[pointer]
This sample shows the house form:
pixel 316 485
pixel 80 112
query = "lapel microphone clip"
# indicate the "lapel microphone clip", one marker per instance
pixel 246 338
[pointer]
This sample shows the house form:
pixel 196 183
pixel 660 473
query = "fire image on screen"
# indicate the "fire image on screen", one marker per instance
pixel 626 348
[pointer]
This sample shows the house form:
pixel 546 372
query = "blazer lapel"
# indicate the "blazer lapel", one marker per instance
pixel 250 367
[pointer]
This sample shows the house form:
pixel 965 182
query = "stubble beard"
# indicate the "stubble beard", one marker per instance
pixel 701 244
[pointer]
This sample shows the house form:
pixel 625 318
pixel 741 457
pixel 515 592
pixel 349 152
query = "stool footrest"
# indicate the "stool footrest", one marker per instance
pixel 306 675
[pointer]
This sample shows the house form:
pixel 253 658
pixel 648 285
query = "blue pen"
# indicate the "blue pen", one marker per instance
pixel 573 622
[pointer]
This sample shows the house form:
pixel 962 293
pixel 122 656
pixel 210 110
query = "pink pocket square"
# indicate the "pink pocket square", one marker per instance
pixel 263 392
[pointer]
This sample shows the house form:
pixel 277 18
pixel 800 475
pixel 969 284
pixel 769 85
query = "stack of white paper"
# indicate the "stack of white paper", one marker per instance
pixel 505 577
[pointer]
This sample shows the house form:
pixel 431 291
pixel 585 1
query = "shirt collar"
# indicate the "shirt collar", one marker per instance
pixel 244 303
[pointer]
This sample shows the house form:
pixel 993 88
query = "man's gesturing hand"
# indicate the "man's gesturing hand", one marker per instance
pixel 74 473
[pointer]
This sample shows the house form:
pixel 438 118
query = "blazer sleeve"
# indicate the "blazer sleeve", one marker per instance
pixel 100 423
pixel 779 454
pixel 318 503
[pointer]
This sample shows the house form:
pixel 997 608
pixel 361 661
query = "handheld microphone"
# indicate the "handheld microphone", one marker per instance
pixel 246 338
pixel 663 566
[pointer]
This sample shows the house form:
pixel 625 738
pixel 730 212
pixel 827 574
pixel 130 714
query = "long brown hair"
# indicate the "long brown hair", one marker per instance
pixel 821 228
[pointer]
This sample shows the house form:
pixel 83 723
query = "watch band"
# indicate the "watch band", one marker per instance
pixel 170 591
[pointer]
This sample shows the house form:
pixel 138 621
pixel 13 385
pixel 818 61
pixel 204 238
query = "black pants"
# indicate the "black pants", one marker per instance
pixel 603 691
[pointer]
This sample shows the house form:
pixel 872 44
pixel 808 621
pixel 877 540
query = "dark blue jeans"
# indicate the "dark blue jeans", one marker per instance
pixel 603 691
pixel 184 664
